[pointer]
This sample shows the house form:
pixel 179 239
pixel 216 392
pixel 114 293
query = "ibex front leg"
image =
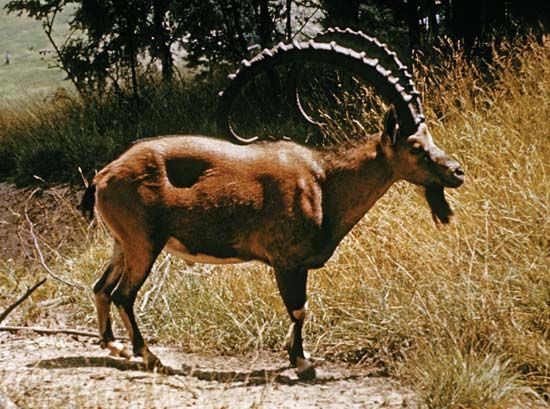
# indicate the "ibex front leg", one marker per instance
pixel 292 286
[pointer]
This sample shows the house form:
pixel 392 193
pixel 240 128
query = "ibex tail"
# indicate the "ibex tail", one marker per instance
pixel 88 201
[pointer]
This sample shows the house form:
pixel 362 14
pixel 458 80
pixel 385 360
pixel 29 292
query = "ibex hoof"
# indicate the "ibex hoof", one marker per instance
pixel 305 370
pixel 117 349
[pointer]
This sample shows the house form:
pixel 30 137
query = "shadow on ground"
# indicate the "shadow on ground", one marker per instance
pixel 256 377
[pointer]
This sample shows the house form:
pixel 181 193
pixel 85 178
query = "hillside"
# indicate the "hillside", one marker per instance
pixel 29 72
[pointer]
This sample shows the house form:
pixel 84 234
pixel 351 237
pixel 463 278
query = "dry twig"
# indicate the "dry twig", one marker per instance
pixel 21 299
pixel 39 251
pixel 54 331
pixel 157 287
pixel 40 330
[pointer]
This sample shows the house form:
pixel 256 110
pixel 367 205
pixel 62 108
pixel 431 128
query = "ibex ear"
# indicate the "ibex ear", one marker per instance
pixel 390 126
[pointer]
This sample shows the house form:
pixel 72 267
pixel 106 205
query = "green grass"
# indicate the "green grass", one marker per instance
pixel 461 313
pixel 28 75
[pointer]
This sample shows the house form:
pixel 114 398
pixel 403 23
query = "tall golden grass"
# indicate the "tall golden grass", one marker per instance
pixel 460 313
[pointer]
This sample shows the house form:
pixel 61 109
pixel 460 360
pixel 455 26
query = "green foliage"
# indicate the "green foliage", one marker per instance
pixel 224 33
pixel 111 44
pixel 105 39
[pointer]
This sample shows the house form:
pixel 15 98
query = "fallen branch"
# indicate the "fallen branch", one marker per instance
pixel 21 299
pixel 50 331
pixel 39 251
pixel 54 331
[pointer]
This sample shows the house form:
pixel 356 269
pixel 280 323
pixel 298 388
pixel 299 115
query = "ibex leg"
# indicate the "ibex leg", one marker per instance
pixel 292 286
pixel 102 290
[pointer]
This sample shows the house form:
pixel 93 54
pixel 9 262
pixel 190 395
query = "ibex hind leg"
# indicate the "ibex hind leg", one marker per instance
pixel 138 263
pixel 102 291
pixel 292 286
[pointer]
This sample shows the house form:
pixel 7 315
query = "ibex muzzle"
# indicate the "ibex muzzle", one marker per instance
pixel 424 163
pixel 280 203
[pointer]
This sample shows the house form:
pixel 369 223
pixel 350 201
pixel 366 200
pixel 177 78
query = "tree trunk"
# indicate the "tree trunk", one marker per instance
pixel 162 39
pixel 238 26
pixel 467 23
pixel 133 70
pixel 266 24
pixel 131 54
pixel 412 21
pixel 432 15
pixel 342 13
pixel 288 12
pixel 237 51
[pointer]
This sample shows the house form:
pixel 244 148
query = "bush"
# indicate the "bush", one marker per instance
pixel 51 139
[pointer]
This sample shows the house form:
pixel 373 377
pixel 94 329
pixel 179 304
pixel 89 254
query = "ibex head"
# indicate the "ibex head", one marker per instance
pixel 417 159
pixel 406 138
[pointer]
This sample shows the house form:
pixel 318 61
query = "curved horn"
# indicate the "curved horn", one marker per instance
pixel 370 70
pixel 359 41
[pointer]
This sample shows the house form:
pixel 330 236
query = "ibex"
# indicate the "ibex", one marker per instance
pixel 278 202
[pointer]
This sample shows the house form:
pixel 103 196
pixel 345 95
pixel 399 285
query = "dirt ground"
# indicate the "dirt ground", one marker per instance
pixel 73 372
pixel 49 371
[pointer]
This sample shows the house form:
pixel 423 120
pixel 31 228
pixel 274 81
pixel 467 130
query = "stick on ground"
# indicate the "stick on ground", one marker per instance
pixel 40 330
pixel 21 299
pixel 54 331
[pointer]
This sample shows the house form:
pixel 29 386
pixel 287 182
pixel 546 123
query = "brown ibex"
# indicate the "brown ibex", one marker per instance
pixel 281 203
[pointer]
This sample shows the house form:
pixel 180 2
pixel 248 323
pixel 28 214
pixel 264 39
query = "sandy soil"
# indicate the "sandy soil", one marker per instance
pixel 67 371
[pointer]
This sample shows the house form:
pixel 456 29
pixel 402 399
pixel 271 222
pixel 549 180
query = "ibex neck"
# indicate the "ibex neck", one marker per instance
pixel 357 175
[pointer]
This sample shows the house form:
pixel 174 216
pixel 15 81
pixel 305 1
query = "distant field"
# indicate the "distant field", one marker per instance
pixel 28 74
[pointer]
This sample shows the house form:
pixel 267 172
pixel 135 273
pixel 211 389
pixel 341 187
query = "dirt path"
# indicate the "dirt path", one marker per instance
pixel 65 372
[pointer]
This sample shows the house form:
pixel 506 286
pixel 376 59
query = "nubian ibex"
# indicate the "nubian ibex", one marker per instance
pixel 278 202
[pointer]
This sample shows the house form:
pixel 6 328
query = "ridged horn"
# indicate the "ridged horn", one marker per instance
pixel 359 41
pixel 362 42
pixel 368 69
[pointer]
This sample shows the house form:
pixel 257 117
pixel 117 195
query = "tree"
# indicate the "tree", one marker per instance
pixel 341 13
pixel 475 23
pixel 108 39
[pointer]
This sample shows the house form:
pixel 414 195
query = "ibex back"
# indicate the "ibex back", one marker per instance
pixel 280 203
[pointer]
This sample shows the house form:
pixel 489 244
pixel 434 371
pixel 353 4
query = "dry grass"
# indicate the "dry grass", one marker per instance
pixel 462 313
